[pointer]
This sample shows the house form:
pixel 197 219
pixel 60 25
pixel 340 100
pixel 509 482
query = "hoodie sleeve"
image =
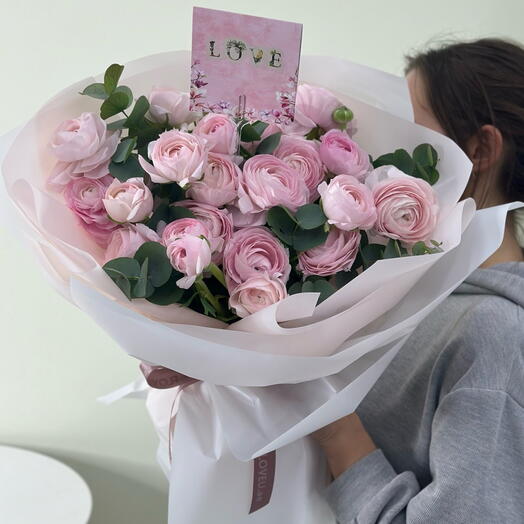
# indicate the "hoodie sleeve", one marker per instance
pixel 476 459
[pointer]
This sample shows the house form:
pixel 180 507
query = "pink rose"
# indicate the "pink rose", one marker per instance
pixel 347 203
pixel 125 241
pixel 407 207
pixel 129 201
pixel 336 254
pixel 343 156
pixel 219 185
pixel 183 227
pixel 313 107
pixel 303 156
pixel 84 196
pixel 83 147
pixel 190 255
pixel 220 131
pixel 167 103
pixel 218 222
pixel 255 294
pixel 267 181
pixel 254 251
pixel 249 220
pixel 177 157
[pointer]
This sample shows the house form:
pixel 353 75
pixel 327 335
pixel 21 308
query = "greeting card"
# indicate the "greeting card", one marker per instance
pixel 244 65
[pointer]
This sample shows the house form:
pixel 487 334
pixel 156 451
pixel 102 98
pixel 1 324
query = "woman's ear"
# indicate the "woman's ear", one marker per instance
pixel 486 148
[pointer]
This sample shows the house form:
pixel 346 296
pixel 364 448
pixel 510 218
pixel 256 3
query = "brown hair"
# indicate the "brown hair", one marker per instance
pixel 470 84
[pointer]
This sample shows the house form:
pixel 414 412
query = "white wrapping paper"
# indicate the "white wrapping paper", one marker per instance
pixel 319 362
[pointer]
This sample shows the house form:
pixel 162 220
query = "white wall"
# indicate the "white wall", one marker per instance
pixel 55 360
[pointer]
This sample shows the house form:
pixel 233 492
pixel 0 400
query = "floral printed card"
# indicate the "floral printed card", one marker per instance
pixel 244 65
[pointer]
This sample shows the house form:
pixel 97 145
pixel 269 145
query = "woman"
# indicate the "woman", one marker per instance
pixel 440 438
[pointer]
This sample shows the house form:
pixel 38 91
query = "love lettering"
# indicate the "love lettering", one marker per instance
pixel 236 50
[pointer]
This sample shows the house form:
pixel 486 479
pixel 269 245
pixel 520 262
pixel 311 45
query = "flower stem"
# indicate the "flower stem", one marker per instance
pixel 205 293
pixel 217 273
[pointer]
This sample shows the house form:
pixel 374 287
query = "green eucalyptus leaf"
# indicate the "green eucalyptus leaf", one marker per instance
pixel 177 212
pixel 344 277
pixel 140 289
pixel 96 90
pixel 384 160
pixel 323 287
pixel 421 172
pixel 117 125
pixel 295 288
pixel 124 150
pixel 308 287
pixel 245 153
pixel 259 126
pixel 112 76
pixel 127 92
pixel 433 175
pixel 159 267
pixel 160 214
pixel 114 104
pixel 126 170
pixel 419 248
pixel 123 266
pixel 121 271
pixel 140 108
pixel 371 253
pixel 269 144
pixel 169 293
pixel 392 249
pixel 304 239
pixel 282 223
pixel 249 134
pixel 426 155
pixel 310 216
pixel 403 161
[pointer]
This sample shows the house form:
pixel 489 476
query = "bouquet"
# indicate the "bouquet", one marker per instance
pixel 203 244
pixel 227 216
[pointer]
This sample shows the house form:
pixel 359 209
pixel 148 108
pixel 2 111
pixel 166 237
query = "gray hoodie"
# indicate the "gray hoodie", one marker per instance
pixel 447 416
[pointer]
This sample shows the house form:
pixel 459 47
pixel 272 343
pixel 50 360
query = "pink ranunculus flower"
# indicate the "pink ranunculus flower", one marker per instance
pixel 343 156
pixel 241 220
pixel 190 255
pixel 336 254
pixel 176 156
pixel 84 196
pixel 314 107
pixel 254 251
pixel 168 103
pixel 303 156
pixel 220 131
pixel 347 203
pixel 130 201
pixel 267 181
pixel 125 241
pixel 83 147
pixel 407 207
pixel 218 222
pixel 182 227
pixel 219 185
pixel 255 294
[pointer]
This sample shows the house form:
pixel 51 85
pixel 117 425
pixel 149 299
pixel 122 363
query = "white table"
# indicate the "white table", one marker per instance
pixel 35 488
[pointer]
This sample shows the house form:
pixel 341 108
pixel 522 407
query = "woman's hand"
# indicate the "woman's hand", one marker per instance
pixel 344 442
